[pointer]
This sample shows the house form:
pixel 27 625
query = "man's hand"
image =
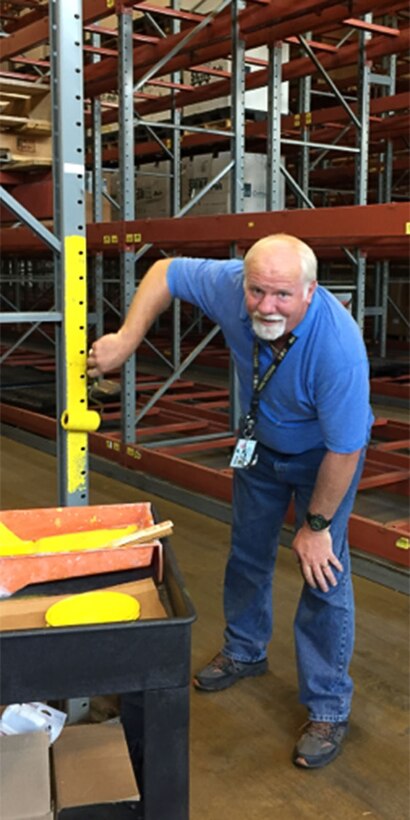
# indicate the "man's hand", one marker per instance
pixel 314 552
pixel 107 353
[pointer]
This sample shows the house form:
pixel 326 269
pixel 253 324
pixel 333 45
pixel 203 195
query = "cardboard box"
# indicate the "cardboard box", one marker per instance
pixel 25 148
pixel 152 190
pixel 93 775
pixel 399 293
pixel 255 99
pixel 19 613
pixel 25 777
pixel 199 170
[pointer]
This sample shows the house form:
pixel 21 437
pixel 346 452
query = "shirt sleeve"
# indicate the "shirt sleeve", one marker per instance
pixel 343 408
pixel 203 282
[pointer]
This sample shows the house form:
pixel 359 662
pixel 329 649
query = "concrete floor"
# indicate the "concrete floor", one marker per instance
pixel 241 739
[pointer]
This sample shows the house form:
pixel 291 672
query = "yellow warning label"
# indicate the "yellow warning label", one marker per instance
pixel 296 120
pixel 407 228
pixel 132 237
pixel 133 453
pixel 308 118
pixel 403 543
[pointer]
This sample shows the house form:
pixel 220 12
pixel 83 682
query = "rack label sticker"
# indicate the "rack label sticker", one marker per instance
pixel 131 451
pixel 403 543
pixel 113 445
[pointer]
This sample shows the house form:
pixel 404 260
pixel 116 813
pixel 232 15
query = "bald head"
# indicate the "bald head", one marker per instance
pixel 284 243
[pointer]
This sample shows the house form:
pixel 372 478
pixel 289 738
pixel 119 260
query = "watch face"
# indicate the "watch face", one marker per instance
pixel 317 522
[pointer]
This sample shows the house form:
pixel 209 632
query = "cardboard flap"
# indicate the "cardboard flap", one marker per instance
pixel 30 612
pixel 92 766
pixel 24 776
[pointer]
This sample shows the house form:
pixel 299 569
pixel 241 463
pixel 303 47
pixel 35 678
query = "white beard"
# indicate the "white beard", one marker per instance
pixel 269 332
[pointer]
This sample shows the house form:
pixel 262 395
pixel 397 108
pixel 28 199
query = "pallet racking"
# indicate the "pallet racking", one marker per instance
pixel 341 150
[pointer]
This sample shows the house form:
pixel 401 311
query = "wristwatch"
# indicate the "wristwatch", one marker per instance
pixel 317 522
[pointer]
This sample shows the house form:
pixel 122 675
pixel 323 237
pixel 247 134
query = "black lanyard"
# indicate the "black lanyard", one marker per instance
pixel 258 384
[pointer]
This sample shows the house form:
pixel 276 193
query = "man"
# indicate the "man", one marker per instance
pixel 304 392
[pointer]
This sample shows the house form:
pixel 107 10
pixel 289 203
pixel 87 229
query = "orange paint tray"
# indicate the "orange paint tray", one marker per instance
pixel 17 571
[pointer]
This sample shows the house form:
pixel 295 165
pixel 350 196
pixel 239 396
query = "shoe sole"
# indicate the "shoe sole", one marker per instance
pixel 319 764
pixel 219 685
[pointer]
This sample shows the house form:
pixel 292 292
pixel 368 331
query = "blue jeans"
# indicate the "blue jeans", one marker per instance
pixel 324 622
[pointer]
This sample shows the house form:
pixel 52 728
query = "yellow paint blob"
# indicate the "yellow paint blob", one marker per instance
pixel 11 544
pixel 98 607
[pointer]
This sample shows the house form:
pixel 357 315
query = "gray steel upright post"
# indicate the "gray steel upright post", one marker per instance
pixel 127 202
pixel 305 88
pixel 70 266
pixel 362 167
pixel 273 181
pixel 97 198
pixel 176 195
pixel 238 171
pixel 387 188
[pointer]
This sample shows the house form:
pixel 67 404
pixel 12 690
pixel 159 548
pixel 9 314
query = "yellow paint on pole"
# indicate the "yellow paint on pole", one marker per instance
pixel 76 418
pixel 87 421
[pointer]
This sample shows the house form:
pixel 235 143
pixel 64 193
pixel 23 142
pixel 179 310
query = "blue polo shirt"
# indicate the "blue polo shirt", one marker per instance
pixel 319 395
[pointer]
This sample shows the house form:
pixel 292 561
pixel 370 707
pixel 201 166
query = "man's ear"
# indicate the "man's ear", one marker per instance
pixel 311 289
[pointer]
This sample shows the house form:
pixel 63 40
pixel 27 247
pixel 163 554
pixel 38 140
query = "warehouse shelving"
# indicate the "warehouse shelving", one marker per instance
pixel 342 150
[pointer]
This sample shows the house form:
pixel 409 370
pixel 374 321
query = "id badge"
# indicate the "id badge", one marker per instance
pixel 244 455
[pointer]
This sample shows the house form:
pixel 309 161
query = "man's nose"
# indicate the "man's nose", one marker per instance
pixel 267 304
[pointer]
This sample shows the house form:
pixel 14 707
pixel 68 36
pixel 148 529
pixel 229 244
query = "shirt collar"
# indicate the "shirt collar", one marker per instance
pixel 243 313
pixel 309 317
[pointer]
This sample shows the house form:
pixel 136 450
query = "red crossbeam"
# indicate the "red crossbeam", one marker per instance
pixel 375 28
pixel 384 479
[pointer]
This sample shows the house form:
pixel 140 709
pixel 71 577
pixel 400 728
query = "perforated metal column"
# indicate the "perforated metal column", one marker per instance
pixel 273 198
pixel 126 171
pixel 97 188
pixel 238 171
pixel 73 420
pixel 176 77
pixel 362 166
pixel 305 88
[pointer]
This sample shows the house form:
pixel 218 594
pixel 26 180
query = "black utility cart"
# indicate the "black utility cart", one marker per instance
pixel 147 658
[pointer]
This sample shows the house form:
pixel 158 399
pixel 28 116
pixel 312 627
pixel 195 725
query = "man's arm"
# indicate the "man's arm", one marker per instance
pixel 152 298
pixel 314 549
